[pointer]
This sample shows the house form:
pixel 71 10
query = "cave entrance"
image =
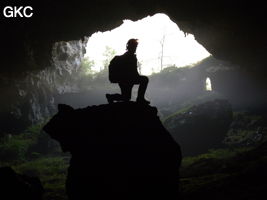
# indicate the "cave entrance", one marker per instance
pixel 208 84
pixel 161 44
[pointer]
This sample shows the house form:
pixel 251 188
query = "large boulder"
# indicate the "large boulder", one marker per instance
pixel 15 186
pixel 118 151
pixel 201 127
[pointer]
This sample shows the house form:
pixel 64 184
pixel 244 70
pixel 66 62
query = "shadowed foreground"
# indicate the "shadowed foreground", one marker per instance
pixel 118 151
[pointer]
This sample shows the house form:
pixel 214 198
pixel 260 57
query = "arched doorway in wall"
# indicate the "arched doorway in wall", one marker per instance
pixel 208 86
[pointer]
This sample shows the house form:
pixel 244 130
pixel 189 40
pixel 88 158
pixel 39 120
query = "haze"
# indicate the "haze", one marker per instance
pixel 156 34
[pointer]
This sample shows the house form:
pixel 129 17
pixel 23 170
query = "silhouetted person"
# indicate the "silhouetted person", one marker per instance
pixel 123 70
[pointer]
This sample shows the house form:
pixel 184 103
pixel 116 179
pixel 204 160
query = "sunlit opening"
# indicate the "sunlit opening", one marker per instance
pixel 208 84
pixel 161 44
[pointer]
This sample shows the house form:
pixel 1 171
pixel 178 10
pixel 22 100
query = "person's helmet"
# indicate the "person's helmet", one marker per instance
pixel 132 43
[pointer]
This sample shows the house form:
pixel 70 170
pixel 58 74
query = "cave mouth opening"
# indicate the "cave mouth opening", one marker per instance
pixel 208 86
pixel 161 44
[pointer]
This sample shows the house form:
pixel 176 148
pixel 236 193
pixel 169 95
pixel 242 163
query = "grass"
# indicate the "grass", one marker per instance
pixel 219 154
pixel 181 111
pixel 224 173
pixel 190 184
pixel 34 154
pixel 52 172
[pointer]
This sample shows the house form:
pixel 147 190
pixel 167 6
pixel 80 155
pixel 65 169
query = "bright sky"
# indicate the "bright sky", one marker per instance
pixel 178 49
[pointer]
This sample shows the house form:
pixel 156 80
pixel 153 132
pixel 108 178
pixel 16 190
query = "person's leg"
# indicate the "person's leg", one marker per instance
pixel 126 91
pixel 142 81
pixel 114 97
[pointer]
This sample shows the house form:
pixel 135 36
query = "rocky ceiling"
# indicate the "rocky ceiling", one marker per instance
pixel 229 30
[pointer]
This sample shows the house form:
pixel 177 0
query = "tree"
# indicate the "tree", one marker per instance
pixel 109 53
pixel 162 41
pixel 139 66
pixel 86 66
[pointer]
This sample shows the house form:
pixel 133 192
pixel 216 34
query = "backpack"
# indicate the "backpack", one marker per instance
pixel 115 69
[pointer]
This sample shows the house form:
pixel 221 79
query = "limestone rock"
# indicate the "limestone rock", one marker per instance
pixel 119 150
pixel 15 186
pixel 201 127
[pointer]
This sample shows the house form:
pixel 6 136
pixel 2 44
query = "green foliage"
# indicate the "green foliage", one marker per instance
pixel 239 136
pixel 190 184
pixel 218 154
pixel 52 172
pixel 89 80
pixel 169 69
pixel 180 111
pixel 108 54
pixel 86 66
pixel 27 145
pixel 15 148
pixel 215 170
pixel 209 169
pixel 33 153
pixel 247 129
pixel 43 167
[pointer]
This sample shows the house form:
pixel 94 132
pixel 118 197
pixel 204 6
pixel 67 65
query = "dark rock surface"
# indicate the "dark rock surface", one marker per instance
pixel 247 129
pixel 201 127
pixel 118 151
pixel 225 28
pixel 15 186
pixel 32 99
pixel 238 177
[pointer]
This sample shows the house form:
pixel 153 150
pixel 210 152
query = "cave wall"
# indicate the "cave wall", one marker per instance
pixel 31 98
pixel 232 31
